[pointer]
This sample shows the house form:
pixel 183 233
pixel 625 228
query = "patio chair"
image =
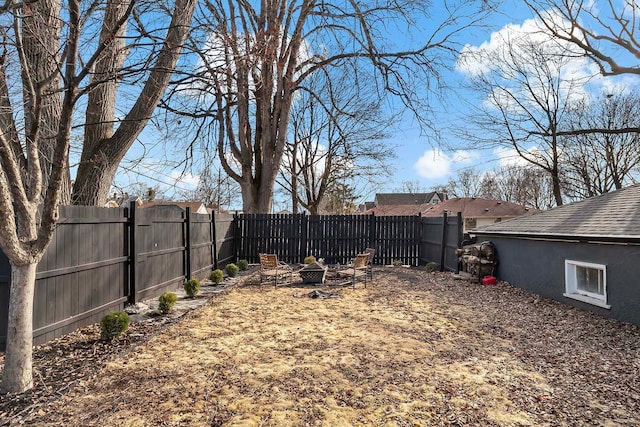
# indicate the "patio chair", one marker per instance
pixel 372 254
pixel 358 269
pixel 272 270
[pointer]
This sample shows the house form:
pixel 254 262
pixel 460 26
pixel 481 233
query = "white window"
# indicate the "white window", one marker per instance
pixel 586 282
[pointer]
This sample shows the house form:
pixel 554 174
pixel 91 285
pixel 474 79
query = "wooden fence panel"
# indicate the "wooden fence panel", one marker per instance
pixel 275 234
pixel 453 239
pixel 201 256
pixel 335 238
pixel 160 247
pixel 431 243
pixel 225 239
pixel 397 239
pixel 82 274
pixel 431 240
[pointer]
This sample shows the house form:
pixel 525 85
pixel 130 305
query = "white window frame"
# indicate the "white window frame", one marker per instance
pixel 571 283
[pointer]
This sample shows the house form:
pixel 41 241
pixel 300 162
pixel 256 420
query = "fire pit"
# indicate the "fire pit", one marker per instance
pixel 313 273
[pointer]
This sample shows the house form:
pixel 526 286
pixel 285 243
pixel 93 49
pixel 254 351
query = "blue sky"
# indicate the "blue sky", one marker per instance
pixel 430 160
pixel 423 159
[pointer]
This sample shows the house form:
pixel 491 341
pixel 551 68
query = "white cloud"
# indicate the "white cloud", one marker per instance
pixel 526 49
pixel 514 41
pixel 509 157
pixel 435 164
pixel 186 180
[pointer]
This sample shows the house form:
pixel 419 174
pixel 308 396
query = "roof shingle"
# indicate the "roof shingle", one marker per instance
pixel 615 214
pixel 405 198
pixel 474 207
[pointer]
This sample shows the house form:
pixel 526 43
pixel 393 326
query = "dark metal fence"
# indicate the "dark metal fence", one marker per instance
pixel 101 258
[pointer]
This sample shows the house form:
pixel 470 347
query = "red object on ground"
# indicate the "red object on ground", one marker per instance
pixel 489 280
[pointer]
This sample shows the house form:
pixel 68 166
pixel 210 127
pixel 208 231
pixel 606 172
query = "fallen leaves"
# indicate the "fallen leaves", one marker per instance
pixel 413 348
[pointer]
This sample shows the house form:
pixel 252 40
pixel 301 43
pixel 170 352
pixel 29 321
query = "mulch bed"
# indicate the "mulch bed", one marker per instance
pixel 413 348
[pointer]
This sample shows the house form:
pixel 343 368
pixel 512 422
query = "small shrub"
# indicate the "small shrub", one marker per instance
pixel 167 301
pixel 431 267
pixel 231 270
pixel 309 259
pixel 243 264
pixel 216 276
pixel 397 263
pixel 192 287
pixel 114 324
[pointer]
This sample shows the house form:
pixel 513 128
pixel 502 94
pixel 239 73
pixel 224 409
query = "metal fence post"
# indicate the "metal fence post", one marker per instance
pixel 133 253
pixel 187 243
pixel 214 241
pixel 372 230
pixel 236 236
pixel 443 245
pixel 304 239
pixel 419 237
pixel 460 237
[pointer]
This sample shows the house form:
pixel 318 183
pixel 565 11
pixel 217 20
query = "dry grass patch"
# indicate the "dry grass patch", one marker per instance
pixel 412 349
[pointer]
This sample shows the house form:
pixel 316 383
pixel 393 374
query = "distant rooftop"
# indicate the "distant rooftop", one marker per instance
pixel 407 198
pixel 475 207
pixel 611 215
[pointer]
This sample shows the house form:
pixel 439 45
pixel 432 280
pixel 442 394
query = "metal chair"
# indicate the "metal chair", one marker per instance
pixel 358 269
pixel 272 270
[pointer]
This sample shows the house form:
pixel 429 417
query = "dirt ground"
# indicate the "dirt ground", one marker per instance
pixel 412 349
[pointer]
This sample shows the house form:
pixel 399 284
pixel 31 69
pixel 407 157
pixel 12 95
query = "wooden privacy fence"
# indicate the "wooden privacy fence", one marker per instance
pixel 101 258
pixel 412 240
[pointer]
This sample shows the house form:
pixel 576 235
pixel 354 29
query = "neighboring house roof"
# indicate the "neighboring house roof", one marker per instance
pixel 611 216
pixel 407 198
pixel 196 207
pixel 401 203
pixel 474 207
pixel 397 210
pixel 365 206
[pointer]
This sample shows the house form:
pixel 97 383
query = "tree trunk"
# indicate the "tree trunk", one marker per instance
pixel 105 147
pixel 41 94
pixel 256 198
pixel 18 372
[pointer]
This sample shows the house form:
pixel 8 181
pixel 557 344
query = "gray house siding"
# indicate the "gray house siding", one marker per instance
pixel 539 266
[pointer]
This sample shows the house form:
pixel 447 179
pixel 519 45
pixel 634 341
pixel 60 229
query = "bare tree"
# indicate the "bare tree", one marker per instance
pixel 337 137
pixel 466 183
pixel 603 32
pixel 601 162
pixel 529 93
pixel 256 59
pixel 118 67
pixel 215 189
pixel 524 185
pixel 141 190
pixel 49 46
pixel 412 187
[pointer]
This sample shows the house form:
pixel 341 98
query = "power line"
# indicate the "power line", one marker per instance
pixel 174 185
